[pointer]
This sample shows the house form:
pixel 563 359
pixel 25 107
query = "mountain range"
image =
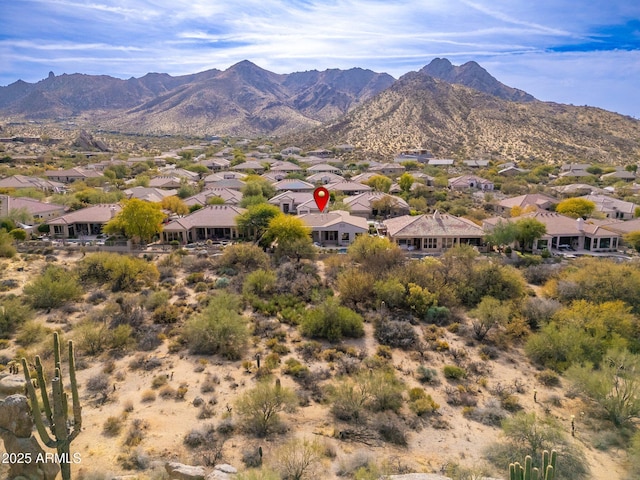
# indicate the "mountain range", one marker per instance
pixel 451 110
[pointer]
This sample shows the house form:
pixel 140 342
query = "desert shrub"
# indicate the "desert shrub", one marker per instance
pixel 294 368
pixel 540 274
pixel 396 334
pixel 259 408
pixel 557 347
pixel 332 321
pixel 259 282
pixel 159 381
pixel 300 280
pixel 136 432
pixel 374 391
pixel 112 426
pixel 527 434
pixel 156 299
pixel 391 428
pixel 98 383
pixel 548 378
pixel 356 287
pixel 219 329
pixel 390 291
pixel 298 459
pixel 7 250
pixel 421 403
pixel 375 254
pixel 120 272
pixel 148 396
pixel 166 314
pixel 31 332
pixel 13 313
pixel 453 372
pixel 53 288
pixel 488 315
pixel 427 375
pixel 244 257
pixel 491 414
pixel 538 311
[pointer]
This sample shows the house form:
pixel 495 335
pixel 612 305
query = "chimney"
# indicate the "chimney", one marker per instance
pixel 113 211
pixel 580 222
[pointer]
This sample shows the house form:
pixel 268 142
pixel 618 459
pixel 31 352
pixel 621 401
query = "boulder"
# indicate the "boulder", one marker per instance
pixel 12 384
pixel 179 471
pixel 15 416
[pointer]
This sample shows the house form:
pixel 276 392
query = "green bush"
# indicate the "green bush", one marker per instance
pixel 13 313
pixel 453 372
pixel 53 288
pixel 120 272
pixel 332 321
pixel 219 329
pixel 259 408
pixel 260 282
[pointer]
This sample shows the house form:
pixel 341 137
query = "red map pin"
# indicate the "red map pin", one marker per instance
pixel 321 196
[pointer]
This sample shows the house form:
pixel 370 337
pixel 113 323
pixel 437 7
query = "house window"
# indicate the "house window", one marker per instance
pixel 430 243
pixel 331 236
pixel 447 242
pixel 605 243
pixel 345 237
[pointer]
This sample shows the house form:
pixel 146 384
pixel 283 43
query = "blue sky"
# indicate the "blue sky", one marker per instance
pixel 568 51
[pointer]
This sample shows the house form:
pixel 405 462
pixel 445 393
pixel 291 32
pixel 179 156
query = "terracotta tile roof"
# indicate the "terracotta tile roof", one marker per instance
pixel 211 216
pixel 326 220
pixel 96 214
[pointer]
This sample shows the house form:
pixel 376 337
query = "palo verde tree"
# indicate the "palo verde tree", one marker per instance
pixel 255 221
pixel 576 207
pixel 138 220
pixel 529 230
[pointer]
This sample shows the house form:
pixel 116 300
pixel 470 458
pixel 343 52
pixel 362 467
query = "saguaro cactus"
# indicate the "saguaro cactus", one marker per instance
pixel 529 472
pixel 56 411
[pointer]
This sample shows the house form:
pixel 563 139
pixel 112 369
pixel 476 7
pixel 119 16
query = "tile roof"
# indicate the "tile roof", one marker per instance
pixel 329 219
pixel 210 216
pixel 96 214
pixel 436 225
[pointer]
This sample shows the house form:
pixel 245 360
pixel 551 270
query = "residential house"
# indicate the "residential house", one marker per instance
pixel 274 177
pixel 348 188
pixel 376 204
pixel 512 171
pixel 344 148
pixel 565 232
pixel 291 202
pixel 37 209
pixel 291 151
pixel 619 174
pixel 249 166
pixel 465 182
pixel 84 222
pixel 215 164
pixel 321 153
pixel 149 194
pixel 166 182
pixel 71 175
pixel 285 167
pixel 22 181
pixel 335 228
pixel 476 163
pixel 324 178
pixel 231 183
pixel 613 207
pixel 212 222
pixel 294 184
pixel 323 168
pixel 433 233
pixel 388 169
pixel 440 162
pixel 539 200
pixel 228 196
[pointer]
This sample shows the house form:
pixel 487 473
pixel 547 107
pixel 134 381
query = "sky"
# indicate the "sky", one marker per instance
pixel 580 52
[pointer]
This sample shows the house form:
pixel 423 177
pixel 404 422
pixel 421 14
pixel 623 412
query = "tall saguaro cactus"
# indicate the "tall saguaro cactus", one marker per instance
pixel 529 472
pixel 56 410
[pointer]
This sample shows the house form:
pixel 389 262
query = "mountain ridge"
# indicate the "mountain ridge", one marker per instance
pixel 459 111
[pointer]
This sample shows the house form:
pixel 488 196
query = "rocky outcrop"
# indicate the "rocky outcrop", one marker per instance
pixel 180 471
pixel 16 426
pixel 11 385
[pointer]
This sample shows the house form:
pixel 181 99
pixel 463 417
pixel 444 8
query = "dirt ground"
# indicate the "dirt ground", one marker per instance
pixel 169 420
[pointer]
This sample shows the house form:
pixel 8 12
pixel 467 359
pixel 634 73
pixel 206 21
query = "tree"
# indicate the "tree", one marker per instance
pixel 375 254
pixel 489 314
pixel 174 204
pixel 504 233
pixel 332 321
pixel 576 207
pixel 255 221
pixel 286 229
pixel 299 460
pixel 615 386
pixel 256 186
pixel 219 329
pixel 138 220
pixel 379 183
pixel 633 240
pixel 53 288
pixel 259 407
pixel 528 230
pixel 405 182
